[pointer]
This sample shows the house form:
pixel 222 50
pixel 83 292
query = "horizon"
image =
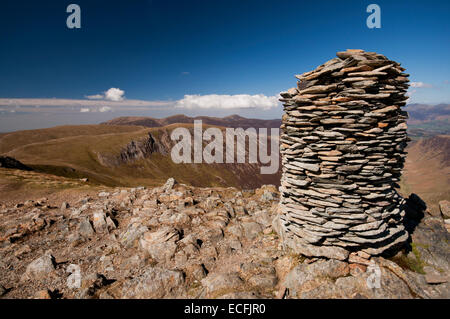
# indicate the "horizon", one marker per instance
pixel 203 59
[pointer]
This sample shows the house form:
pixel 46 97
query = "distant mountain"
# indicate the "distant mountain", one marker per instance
pixel 234 121
pixel 420 113
pixel 428 120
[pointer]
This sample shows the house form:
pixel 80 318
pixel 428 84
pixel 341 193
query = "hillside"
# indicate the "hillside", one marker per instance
pixel 121 156
pixel 427 170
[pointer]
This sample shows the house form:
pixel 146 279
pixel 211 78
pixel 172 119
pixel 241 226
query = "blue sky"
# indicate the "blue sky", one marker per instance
pixel 164 50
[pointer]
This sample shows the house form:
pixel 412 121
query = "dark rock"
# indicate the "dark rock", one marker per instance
pixel 9 162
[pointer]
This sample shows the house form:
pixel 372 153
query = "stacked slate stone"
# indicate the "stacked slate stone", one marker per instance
pixel 342 144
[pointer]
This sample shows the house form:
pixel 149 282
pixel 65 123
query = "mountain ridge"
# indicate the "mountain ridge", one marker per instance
pixel 232 121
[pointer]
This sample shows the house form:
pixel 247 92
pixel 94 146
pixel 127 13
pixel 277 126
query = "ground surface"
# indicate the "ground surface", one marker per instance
pixel 178 241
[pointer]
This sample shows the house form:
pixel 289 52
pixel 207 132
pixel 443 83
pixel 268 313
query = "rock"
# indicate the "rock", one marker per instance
pixel 221 284
pixel 9 162
pixel 251 229
pixel 356 287
pixel 436 279
pixel 430 243
pixel 400 274
pixel 169 184
pixel 241 295
pixel 160 245
pixel 262 217
pixel 22 250
pixel 263 281
pixel 85 228
pixel 3 291
pixel 196 271
pixel 307 276
pixel 179 219
pixel 317 251
pixel 74 239
pixel 276 225
pixel 309 167
pixel 43 294
pixel 154 283
pixel 354 258
pixel 357 269
pixel 99 221
pixel 132 234
pixel 91 283
pixel 110 223
pixel 64 206
pixel 40 267
pixel 268 196
pixel 445 208
pixel 235 230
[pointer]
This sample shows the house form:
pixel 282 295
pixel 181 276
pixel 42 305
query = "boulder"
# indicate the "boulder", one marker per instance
pixel 154 283
pixel 40 267
pixel 445 208
pixel 309 276
pixel 170 183
pixel 85 228
pixel 222 283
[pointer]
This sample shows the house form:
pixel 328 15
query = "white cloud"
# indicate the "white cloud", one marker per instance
pixel 95 97
pixel 82 103
pixel 420 85
pixel 239 101
pixel 94 104
pixel 114 94
pixel 105 109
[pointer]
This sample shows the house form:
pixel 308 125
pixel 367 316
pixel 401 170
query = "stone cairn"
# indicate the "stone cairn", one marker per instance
pixel 342 145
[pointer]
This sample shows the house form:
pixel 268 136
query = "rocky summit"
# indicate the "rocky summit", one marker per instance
pixel 180 241
pixel 343 139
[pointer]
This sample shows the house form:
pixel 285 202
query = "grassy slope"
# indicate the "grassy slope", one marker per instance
pixel 13 140
pixel 18 186
pixel 427 170
pixel 71 151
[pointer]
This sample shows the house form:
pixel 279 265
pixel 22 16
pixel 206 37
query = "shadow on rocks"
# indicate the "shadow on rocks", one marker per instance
pixel 415 209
